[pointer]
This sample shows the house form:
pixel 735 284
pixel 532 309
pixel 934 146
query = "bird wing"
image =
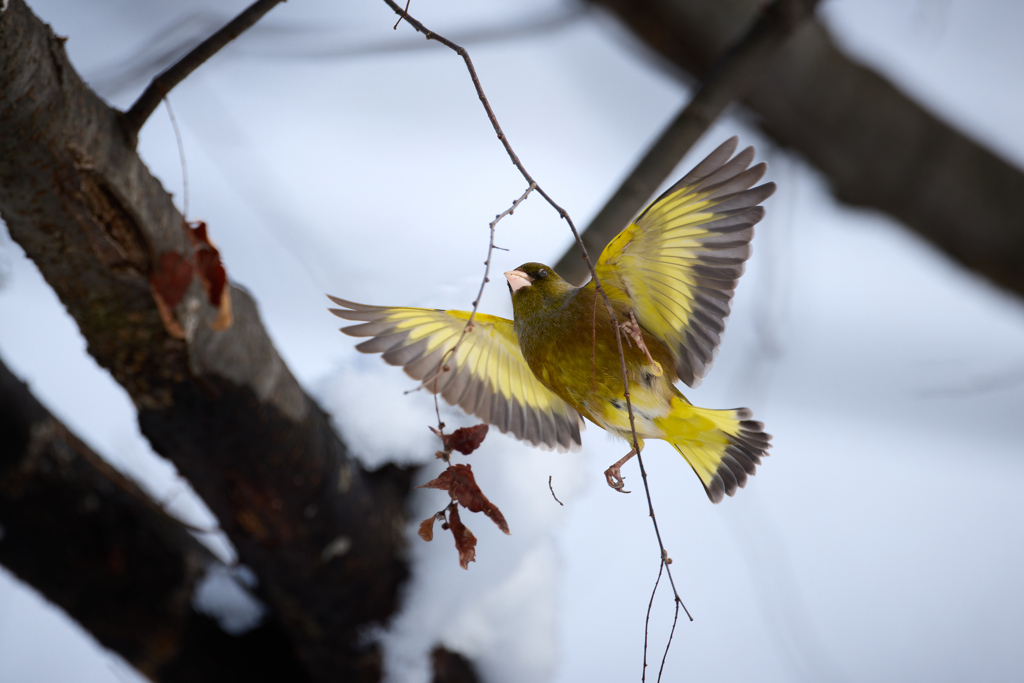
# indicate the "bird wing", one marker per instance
pixel 487 375
pixel 677 264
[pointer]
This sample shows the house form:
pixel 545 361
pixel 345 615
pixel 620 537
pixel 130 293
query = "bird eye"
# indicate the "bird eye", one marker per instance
pixel 542 273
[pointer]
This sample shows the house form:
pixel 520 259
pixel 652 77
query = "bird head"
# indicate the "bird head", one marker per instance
pixel 535 287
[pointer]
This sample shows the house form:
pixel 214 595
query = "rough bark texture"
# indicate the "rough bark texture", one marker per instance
pixel 221 405
pixel 94 544
pixel 876 146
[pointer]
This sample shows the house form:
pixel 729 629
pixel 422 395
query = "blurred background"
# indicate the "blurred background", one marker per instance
pixel 329 153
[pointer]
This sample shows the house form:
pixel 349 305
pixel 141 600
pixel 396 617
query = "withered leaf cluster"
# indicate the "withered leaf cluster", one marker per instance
pixel 459 482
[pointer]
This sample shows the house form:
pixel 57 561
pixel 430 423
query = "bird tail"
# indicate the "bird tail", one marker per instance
pixel 722 446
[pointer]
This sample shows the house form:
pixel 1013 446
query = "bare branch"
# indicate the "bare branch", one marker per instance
pixel 552 489
pixel 468 327
pixel 98 547
pixel 668 645
pixel 430 35
pixel 148 101
pixel 726 82
pixel 647 619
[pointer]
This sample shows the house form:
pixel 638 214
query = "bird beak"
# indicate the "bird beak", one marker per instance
pixel 517 279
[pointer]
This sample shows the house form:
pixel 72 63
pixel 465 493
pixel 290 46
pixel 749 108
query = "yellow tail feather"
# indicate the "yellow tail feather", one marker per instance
pixel 723 447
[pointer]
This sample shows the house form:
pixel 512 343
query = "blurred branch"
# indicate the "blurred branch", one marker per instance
pixel 875 145
pixel 221 405
pixel 726 82
pixel 308 43
pixel 147 103
pixel 96 546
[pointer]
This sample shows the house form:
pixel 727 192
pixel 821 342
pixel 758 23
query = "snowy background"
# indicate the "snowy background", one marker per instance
pixel 881 540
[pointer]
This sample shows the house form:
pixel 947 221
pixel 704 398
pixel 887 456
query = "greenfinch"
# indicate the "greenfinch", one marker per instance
pixel 670 277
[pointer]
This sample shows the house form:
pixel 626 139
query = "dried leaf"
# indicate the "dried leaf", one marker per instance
pixel 466 440
pixel 168 283
pixel 224 318
pixel 208 265
pixel 442 482
pixel 211 274
pixel 427 528
pixel 459 482
pixel 463 488
pixel 465 541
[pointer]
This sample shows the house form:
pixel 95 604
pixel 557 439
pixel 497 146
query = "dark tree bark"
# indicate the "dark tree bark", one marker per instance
pixel 323 536
pixel 876 146
pixel 95 545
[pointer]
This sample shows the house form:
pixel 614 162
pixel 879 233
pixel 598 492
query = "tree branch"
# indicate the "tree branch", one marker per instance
pixel 147 103
pixel 96 546
pixel 726 82
pixel 876 146
pixel 221 405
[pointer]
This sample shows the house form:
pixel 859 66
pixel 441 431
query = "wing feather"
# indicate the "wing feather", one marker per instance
pixel 679 262
pixel 487 375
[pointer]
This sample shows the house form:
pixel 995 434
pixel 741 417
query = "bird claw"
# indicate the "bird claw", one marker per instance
pixel 632 329
pixel 615 479
pixel 613 475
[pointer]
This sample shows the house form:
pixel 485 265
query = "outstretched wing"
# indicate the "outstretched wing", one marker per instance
pixel 486 376
pixel 679 261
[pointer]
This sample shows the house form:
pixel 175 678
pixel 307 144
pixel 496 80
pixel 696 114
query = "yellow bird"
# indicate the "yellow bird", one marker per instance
pixel 670 276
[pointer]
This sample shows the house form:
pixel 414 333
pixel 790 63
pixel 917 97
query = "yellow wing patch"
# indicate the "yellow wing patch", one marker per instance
pixel 678 263
pixel 487 375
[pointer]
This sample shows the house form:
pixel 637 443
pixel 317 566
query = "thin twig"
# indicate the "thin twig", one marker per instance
pixel 468 327
pixel 552 488
pixel 181 155
pixel 133 119
pixel 647 621
pixel 462 52
pixel 407 3
pixel 430 35
pixel 668 645
pixel 726 83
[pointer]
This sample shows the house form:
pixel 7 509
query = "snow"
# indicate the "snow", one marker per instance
pixel 879 541
pixel 223 594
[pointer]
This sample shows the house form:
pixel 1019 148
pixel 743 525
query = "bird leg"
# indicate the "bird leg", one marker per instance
pixel 632 328
pixel 613 475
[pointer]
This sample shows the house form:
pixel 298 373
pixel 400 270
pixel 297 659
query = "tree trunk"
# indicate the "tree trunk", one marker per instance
pixel 96 546
pixel 324 537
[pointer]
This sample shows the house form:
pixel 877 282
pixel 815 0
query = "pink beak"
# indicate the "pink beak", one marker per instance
pixel 517 279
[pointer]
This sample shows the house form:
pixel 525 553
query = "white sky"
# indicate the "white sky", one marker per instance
pixel 880 541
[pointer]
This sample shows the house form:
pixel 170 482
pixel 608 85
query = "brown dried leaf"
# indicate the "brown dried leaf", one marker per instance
pixel 224 318
pixel 465 541
pixel 442 482
pixel 427 528
pixel 459 482
pixel 463 488
pixel 208 265
pixel 168 283
pixel 466 440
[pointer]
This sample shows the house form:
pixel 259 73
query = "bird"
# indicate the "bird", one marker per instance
pixel 669 277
